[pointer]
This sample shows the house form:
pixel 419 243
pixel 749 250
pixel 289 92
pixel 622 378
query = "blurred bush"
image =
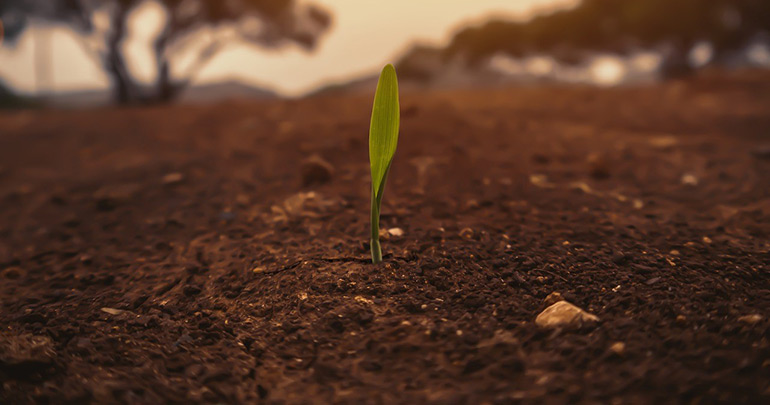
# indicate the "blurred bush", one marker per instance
pixel 10 100
pixel 672 27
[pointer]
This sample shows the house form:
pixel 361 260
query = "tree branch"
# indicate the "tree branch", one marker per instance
pixel 211 50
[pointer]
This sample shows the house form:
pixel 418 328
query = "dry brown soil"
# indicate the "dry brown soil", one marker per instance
pixel 173 254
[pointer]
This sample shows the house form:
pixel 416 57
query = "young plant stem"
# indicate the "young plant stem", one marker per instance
pixel 375 241
pixel 383 137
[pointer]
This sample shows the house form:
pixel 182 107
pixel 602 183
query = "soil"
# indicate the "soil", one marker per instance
pixel 177 255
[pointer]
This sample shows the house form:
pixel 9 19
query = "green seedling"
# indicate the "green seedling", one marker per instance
pixel 383 137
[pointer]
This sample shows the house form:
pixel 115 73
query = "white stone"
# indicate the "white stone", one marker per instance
pixel 397 232
pixel 618 348
pixel 750 319
pixel 564 314
pixel 689 179
pixel 112 311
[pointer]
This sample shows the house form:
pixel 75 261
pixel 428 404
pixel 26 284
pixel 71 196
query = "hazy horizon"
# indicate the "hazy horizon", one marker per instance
pixel 365 35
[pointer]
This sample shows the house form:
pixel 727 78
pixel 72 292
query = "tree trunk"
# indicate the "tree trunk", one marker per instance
pixel 122 86
pixel 166 89
pixel 676 62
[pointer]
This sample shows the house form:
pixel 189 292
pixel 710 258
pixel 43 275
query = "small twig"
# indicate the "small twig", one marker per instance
pixel 289 267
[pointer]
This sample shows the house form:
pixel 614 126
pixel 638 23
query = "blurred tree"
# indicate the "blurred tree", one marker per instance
pixel 622 26
pixel 103 26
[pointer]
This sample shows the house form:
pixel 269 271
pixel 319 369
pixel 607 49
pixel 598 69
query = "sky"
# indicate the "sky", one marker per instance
pixel 366 34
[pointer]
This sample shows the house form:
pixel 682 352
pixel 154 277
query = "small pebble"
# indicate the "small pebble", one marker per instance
pixel 598 167
pixel 689 179
pixel 315 170
pixel 226 216
pixel 553 298
pixel 541 158
pixel 652 281
pixel 750 319
pixel 191 290
pixel 618 348
pixel 173 178
pixel 397 232
pixel 112 311
pixel 12 273
pixel 564 314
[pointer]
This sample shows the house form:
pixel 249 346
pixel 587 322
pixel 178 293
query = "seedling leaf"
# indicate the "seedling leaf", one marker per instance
pixel 383 138
pixel 383 132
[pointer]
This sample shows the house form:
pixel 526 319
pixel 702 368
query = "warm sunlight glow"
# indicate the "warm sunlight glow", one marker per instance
pixel 365 35
pixel 145 24
pixel 540 65
pixel 759 54
pixel 506 64
pixel 607 70
pixel 701 54
pixel 645 61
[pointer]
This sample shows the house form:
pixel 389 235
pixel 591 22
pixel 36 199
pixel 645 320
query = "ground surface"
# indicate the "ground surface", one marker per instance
pixel 172 254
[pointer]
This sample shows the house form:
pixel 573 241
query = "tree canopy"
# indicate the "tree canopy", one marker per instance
pixel 619 26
